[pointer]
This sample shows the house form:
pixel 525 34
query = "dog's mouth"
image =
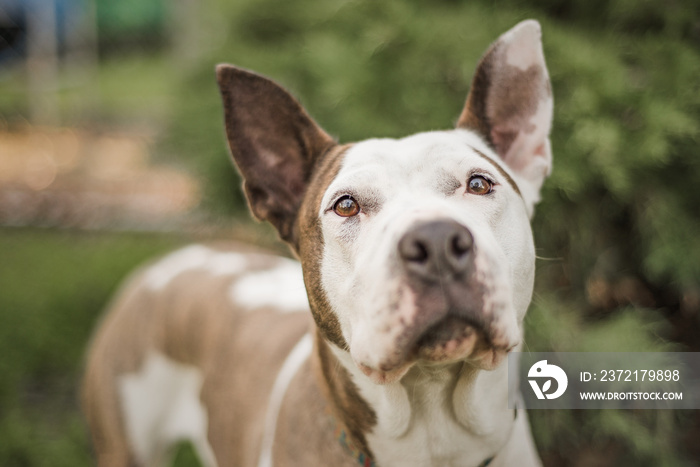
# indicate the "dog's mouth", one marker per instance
pixel 451 337
pixel 454 338
pixel 462 334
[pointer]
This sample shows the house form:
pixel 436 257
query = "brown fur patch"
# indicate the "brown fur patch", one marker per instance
pixel 518 94
pixel 474 115
pixel 307 437
pixel 348 406
pixel 311 245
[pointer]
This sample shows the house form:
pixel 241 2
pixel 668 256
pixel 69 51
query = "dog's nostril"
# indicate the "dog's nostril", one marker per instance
pixel 461 244
pixel 414 251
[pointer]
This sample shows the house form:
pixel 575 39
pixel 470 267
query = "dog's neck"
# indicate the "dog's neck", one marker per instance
pixel 442 415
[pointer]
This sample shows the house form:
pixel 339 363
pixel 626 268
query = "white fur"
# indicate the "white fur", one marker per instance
pixel 217 263
pixel 520 447
pixel 537 141
pixel 281 288
pixel 520 40
pixel 161 406
pixel 299 354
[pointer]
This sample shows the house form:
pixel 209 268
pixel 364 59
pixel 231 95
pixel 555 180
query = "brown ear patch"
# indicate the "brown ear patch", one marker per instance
pixel 500 105
pixel 519 92
pixel 274 144
pixel 474 115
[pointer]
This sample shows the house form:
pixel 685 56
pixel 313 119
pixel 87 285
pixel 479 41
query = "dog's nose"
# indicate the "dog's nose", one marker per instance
pixel 437 249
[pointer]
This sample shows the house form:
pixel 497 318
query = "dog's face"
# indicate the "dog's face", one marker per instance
pixel 417 249
pixel 427 252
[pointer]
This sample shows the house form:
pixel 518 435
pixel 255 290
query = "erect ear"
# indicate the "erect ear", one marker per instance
pixel 510 104
pixel 274 143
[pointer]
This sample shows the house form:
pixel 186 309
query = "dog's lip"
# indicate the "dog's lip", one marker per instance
pixel 469 349
pixel 451 327
pixel 451 338
pixel 461 336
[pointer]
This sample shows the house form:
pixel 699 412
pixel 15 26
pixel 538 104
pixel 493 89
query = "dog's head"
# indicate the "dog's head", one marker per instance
pixel 416 249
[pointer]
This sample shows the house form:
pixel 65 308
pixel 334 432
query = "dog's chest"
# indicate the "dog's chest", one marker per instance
pixel 433 436
pixel 431 440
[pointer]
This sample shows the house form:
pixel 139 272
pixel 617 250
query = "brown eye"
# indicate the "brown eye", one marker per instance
pixel 478 185
pixel 346 207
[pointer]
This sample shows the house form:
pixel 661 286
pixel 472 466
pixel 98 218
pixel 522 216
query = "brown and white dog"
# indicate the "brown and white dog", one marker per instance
pixel 418 266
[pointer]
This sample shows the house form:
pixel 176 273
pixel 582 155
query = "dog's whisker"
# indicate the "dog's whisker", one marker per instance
pixel 544 258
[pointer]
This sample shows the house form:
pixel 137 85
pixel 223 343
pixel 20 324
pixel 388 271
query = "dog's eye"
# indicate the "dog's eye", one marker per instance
pixel 478 185
pixel 346 207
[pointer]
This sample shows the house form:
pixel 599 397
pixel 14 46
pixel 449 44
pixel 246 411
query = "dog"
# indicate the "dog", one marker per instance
pixel 418 266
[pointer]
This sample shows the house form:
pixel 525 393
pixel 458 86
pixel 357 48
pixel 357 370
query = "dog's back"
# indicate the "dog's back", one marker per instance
pixel 182 336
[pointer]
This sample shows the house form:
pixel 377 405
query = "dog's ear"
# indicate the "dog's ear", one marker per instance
pixel 274 143
pixel 510 104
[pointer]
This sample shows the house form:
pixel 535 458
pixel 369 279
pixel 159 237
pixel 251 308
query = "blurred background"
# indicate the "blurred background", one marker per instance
pixel 112 152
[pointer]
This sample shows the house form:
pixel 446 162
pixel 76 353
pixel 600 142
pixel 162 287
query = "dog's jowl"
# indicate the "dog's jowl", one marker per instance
pixel 417 260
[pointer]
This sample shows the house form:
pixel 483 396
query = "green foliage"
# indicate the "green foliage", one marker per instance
pixel 627 119
pixel 636 438
pixel 674 19
pixel 185 456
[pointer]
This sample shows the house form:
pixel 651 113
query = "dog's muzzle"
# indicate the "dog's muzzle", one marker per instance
pixel 449 306
pixel 438 259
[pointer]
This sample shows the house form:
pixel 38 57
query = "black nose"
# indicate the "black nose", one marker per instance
pixel 437 249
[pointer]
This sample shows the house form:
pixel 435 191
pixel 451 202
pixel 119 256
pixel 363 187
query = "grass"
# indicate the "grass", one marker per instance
pixel 53 288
